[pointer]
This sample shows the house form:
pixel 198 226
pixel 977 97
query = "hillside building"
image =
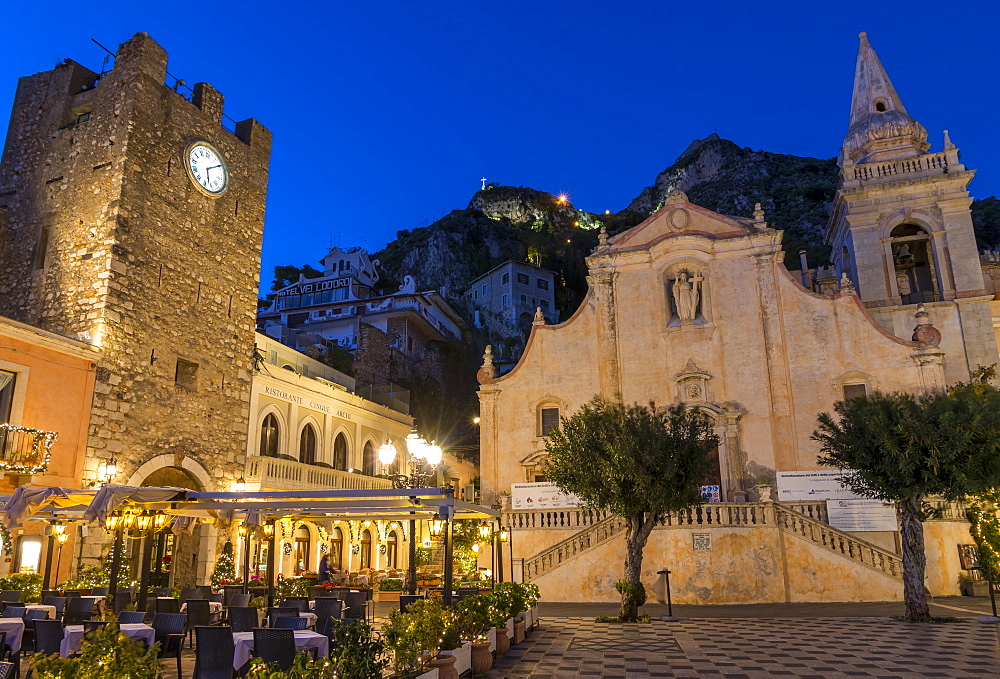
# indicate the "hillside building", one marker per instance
pixel 694 307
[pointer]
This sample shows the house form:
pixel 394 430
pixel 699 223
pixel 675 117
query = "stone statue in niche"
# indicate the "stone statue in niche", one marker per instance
pixel 687 295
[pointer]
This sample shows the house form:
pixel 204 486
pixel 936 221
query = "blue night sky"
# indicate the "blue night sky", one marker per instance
pixel 385 115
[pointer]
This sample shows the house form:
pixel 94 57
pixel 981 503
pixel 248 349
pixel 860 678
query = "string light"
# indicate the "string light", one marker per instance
pixel 41 448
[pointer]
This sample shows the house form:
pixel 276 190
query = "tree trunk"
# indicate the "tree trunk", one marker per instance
pixel 633 595
pixel 911 532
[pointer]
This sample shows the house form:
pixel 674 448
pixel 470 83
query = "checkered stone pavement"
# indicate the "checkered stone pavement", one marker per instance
pixel 753 648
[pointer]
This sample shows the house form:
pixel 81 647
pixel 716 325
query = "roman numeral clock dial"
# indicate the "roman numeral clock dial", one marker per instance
pixel 207 168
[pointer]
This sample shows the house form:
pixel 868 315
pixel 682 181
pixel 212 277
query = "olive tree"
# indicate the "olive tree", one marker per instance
pixel 904 448
pixel 638 462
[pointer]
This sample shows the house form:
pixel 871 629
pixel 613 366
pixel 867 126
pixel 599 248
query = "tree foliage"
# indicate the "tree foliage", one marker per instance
pixel 285 275
pixel 904 448
pixel 639 462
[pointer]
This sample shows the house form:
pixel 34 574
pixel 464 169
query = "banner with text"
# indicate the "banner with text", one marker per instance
pixel 541 496
pixel 861 515
pixel 812 486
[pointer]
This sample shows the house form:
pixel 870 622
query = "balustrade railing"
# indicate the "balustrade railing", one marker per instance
pixel 279 474
pixel 927 163
pixel 24 450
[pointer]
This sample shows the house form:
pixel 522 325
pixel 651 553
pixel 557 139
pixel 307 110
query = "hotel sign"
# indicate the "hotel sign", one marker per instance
pixel 319 286
pixel 300 401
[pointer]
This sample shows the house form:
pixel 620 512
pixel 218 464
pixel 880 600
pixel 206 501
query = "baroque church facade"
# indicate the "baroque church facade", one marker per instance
pixel 696 307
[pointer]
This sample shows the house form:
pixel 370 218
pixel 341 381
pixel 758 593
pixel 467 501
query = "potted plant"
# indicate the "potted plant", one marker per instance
pixel 390 589
pixel 413 637
pixel 510 598
pixel 971 585
pixel 358 653
pixel 476 617
pixel 531 594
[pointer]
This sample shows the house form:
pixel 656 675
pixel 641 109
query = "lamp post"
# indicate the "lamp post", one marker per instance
pixel 61 539
pixel 117 524
pixel 245 534
pixel 51 531
pixel 150 523
pixel 486 535
pixel 503 535
pixel 269 534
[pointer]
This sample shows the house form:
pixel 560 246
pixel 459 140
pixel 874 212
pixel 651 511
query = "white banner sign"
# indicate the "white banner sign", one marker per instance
pixel 812 485
pixel 541 496
pixel 861 515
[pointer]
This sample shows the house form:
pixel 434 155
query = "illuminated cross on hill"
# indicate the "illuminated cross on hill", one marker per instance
pixel 483 180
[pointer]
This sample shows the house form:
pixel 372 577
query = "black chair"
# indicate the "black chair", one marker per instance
pixel 199 613
pixel 29 625
pixel 165 605
pixel 274 646
pixel 317 592
pixel 467 591
pixel 58 601
pixel 214 657
pixel 228 591
pixel 326 608
pixel 99 591
pixel 240 600
pixel 328 631
pixel 406 599
pixel 299 602
pixel 217 598
pixel 10 596
pixel 72 593
pixel 122 600
pixel 189 593
pixel 287 622
pixel 7 670
pixel 356 605
pixel 78 610
pixel 169 629
pixel 13 612
pixel 46 593
pixel 48 637
pixel 163 591
pixel 276 611
pixel 243 618
pixel 131 617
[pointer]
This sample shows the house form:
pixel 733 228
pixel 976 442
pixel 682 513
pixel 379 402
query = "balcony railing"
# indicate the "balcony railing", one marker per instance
pixel 274 473
pixel 24 450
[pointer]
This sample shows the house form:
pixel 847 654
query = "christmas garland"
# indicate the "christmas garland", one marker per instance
pixel 41 450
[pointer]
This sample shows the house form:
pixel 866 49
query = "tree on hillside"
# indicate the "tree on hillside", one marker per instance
pixel 289 273
pixel 635 461
pixel 904 448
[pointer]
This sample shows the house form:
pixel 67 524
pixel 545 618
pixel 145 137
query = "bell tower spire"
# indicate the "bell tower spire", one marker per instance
pixel 880 127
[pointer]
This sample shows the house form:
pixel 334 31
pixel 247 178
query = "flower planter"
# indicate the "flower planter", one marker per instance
pixel 482 659
pixel 463 657
pixel 492 637
pixel 518 631
pixel 503 641
pixel 432 674
pixel 388 596
pixel 534 616
pixel 527 617
pixel 975 588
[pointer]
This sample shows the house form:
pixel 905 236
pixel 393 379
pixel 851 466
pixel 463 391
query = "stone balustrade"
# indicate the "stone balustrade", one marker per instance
pixel 932 162
pixel 275 473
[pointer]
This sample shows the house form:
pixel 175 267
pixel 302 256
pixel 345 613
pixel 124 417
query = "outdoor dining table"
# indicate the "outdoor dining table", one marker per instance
pixel 304 639
pixel 213 607
pixel 73 636
pixel 51 610
pixel 14 627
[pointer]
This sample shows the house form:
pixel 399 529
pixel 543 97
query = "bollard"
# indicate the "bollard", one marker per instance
pixel 669 617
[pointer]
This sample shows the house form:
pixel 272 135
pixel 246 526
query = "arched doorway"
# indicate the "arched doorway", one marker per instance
pixel 303 545
pixel 337 549
pixel 369 466
pixel 392 550
pixel 174 558
pixel 340 452
pixel 366 549
pixel 307 445
pixel 269 436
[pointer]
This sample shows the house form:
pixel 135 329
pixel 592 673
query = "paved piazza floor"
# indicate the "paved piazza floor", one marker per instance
pixel 763 647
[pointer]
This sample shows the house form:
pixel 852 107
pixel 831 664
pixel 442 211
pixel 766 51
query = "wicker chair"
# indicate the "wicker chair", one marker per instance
pixel 326 608
pixel 13 612
pixel 274 646
pixel 29 625
pixel 406 599
pixel 48 637
pixel 189 593
pixel 78 610
pixel 243 618
pixel 58 601
pixel 131 617
pixel 299 602
pixel 240 600
pixel 99 591
pixel 356 604
pixel 199 614
pixel 214 657
pixel 168 605
pixel 169 629
pixel 277 611
pixel 7 670
pixel 10 596
pixel 288 622
pixel 228 591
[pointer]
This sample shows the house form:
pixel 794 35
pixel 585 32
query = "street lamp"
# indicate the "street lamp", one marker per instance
pixel 239 485
pixel 485 531
pixel 436 528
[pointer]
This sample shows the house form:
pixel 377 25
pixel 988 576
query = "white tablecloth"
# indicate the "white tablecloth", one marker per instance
pixel 73 636
pixel 304 639
pixel 51 610
pixel 14 627
pixel 213 607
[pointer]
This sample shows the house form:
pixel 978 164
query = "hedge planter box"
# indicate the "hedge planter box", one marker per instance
pixel 975 588
pixel 388 596
pixel 463 657
pixel 534 616
pixel 518 631
pixel 493 639
pixel 433 674
pixel 510 628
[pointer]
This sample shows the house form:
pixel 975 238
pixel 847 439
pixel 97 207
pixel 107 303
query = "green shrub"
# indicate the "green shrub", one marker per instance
pixel 105 654
pixel 391 585
pixel 358 652
pixel 477 615
pixel 414 637
pixel 303 667
pixel 510 598
pixel 29 584
pixel 287 587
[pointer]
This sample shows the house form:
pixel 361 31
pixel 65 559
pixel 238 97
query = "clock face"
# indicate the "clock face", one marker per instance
pixel 208 169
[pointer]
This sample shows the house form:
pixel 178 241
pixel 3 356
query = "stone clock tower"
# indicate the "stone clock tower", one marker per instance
pixel 131 218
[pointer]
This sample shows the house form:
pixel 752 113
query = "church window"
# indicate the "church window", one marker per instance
pixel 505 279
pixel 542 284
pixel 916 278
pixel 340 452
pixel 307 445
pixel 548 420
pixel 486 290
pixel 503 301
pixel 186 374
pixel 881 106
pixel 368 464
pixel 269 436
pixel 522 279
pixel 853 391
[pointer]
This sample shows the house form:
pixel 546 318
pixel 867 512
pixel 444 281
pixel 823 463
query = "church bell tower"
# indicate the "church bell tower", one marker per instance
pixel 901 227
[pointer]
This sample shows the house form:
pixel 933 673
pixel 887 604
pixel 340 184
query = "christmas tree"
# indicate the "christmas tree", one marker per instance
pixel 225 567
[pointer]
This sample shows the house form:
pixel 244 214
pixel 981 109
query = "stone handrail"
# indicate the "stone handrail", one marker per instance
pixel 802 519
pixel 840 542
pixel 927 163
pixel 279 474
pixel 948 511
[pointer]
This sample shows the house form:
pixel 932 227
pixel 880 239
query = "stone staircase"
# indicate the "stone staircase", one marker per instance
pixel 805 521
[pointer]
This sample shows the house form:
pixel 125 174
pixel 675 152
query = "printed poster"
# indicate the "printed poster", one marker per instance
pixel 541 496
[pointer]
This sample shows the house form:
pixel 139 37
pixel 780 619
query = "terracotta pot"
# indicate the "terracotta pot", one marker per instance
pixel 503 641
pixel 519 631
pixel 445 666
pixel 482 659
